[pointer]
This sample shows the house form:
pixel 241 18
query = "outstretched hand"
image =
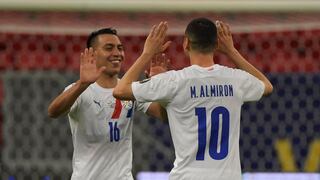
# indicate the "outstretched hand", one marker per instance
pixel 159 64
pixel 155 43
pixel 89 72
pixel 225 41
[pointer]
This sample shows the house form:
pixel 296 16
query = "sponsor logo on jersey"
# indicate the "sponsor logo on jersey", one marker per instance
pixel 97 102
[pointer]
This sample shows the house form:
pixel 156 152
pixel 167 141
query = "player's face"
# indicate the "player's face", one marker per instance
pixel 110 53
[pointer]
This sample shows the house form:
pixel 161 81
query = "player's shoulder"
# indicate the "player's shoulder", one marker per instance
pixel 196 71
pixel 166 75
pixel 187 71
pixel 225 68
pixel 234 72
pixel 74 83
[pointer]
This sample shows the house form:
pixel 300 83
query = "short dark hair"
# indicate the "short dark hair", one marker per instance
pixel 202 35
pixel 93 36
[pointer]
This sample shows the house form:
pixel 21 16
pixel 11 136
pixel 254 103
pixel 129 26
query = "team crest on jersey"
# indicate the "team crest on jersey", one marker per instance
pixel 127 104
pixel 145 80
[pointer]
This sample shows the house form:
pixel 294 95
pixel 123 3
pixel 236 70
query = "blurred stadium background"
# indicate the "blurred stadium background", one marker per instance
pixel 40 43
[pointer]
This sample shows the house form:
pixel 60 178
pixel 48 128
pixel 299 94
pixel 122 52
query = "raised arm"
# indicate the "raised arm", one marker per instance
pixel 88 75
pixel 159 64
pixel 225 45
pixel 154 44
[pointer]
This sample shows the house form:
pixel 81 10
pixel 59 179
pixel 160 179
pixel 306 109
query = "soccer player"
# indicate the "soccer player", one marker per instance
pixel 101 125
pixel 203 102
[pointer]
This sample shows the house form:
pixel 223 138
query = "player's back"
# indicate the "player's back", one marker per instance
pixel 204 118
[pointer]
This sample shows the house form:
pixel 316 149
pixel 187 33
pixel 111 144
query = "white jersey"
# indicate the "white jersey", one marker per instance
pixel 101 128
pixel 203 106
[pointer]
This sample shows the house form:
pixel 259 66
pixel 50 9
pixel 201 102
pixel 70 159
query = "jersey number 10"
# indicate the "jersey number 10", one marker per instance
pixel 215 151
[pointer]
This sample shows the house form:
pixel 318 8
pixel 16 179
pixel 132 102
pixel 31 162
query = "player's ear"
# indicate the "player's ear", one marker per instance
pixel 186 44
pixel 216 46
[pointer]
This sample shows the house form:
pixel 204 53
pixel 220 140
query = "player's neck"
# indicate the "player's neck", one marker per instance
pixel 202 60
pixel 107 81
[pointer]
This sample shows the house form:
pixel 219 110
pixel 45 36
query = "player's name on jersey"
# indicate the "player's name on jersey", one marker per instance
pixel 211 91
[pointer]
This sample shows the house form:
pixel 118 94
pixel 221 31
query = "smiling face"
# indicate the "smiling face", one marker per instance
pixel 110 53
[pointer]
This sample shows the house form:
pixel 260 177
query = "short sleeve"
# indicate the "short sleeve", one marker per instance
pixel 160 88
pixel 143 107
pixel 252 88
pixel 75 105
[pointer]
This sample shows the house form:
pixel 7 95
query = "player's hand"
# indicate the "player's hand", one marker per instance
pixel 159 64
pixel 225 41
pixel 155 42
pixel 89 72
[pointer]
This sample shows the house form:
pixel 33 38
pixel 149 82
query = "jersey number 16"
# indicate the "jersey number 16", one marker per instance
pixel 216 152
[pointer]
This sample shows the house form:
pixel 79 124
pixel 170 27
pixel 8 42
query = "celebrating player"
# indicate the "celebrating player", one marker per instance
pixel 101 125
pixel 203 101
